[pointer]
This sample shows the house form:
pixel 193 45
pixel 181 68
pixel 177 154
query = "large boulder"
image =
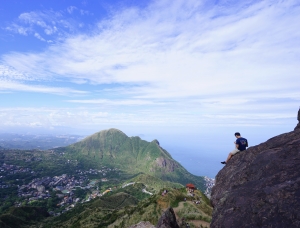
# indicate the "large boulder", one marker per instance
pixel 168 219
pixel 260 187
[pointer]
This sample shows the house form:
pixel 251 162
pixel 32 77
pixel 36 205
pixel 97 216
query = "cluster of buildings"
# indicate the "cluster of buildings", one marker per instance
pixel 6 170
pixel 36 189
pixel 13 169
pixel 4 185
pixel 64 185
pixel 209 183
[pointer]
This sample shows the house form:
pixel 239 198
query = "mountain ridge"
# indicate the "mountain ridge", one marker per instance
pixel 114 148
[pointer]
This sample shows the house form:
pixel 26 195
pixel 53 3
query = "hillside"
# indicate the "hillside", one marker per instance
pixel 260 187
pixel 24 216
pixel 152 208
pixel 119 210
pixel 130 154
pixel 107 178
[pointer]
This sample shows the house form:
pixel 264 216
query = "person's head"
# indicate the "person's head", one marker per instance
pixel 237 134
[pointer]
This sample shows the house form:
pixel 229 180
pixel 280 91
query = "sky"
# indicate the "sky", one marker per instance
pixel 189 73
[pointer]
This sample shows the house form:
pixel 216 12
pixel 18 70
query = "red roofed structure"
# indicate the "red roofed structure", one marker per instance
pixel 190 187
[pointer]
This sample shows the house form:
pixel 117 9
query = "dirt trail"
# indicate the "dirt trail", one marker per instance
pixel 197 223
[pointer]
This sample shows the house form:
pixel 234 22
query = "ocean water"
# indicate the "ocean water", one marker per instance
pixel 198 162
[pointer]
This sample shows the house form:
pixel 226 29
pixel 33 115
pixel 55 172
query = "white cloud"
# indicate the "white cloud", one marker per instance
pixel 10 73
pixel 182 51
pixel 84 12
pixel 44 20
pixel 14 80
pixel 48 23
pixel 39 36
pixel 18 29
pixel 117 102
pixel 70 9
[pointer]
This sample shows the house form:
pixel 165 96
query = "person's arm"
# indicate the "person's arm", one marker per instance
pixel 236 145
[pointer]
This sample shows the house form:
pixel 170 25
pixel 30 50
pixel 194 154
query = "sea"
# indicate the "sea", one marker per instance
pixel 198 162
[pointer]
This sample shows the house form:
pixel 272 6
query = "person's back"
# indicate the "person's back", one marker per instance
pixel 242 142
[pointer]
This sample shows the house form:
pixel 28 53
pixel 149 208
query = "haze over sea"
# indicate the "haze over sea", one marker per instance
pixel 189 73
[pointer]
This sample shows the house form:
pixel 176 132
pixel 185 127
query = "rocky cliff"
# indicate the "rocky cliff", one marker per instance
pixel 298 118
pixel 168 219
pixel 261 186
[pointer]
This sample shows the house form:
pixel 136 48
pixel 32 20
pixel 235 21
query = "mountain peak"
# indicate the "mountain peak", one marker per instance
pixel 155 141
pixel 133 155
pixel 110 131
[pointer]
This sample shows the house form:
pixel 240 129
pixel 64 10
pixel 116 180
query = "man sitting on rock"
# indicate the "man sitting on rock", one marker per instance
pixel 240 145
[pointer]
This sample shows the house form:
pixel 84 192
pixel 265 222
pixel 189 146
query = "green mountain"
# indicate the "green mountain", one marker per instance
pixel 132 155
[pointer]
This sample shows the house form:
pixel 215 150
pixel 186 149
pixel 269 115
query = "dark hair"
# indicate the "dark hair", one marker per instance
pixel 237 134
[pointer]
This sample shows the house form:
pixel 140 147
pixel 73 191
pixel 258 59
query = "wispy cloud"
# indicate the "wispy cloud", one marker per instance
pixel 12 80
pixel 118 102
pixel 39 36
pixel 10 73
pixel 47 25
pixel 70 9
pixel 183 50
pixel 16 86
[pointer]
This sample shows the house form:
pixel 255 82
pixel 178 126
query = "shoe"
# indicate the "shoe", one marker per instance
pixel 223 162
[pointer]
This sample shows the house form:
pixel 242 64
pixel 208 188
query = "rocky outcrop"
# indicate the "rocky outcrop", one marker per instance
pixel 168 164
pixel 167 220
pixel 260 187
pixel 298 118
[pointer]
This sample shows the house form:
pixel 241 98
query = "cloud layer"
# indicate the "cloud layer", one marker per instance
pixel 186 59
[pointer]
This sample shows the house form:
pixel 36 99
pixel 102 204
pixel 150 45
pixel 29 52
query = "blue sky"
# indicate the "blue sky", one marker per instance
pixel 191 70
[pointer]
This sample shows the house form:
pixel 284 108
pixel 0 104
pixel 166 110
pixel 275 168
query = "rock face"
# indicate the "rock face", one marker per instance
pixel 167 220
pixel 260 187
pixel 168 164
pixel 298 118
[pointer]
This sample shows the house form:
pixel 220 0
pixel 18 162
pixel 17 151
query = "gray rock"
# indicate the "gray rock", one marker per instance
pixel 298 118
pixel 168 164
pixel 168 219
pixel 260 187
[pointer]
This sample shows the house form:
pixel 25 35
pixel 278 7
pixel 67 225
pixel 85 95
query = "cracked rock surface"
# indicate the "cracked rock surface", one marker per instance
pixel 168 219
